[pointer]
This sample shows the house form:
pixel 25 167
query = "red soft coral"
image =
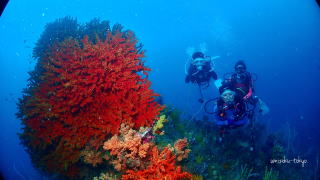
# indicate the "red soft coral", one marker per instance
pixel 162 166
pixel 93 89
pixel 86 90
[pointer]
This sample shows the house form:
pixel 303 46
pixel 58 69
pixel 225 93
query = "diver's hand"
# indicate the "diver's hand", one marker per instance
pixel 245 98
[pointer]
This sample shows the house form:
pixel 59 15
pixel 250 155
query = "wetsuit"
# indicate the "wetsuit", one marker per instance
pixel 200 76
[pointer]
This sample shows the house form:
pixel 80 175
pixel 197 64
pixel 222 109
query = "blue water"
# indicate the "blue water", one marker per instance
pixel 278 39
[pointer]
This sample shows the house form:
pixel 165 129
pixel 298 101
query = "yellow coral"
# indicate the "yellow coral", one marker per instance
pixel 159 125
pixel 196 177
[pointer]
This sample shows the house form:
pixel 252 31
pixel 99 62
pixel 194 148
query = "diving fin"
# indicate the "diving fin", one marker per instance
pixel 263 108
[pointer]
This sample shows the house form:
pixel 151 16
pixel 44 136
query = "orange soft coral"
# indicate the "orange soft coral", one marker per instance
pixel 180 149
pixel 129 149
pixel 162 166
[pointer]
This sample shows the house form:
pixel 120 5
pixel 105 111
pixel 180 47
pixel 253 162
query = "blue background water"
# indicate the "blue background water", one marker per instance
pixel 278 39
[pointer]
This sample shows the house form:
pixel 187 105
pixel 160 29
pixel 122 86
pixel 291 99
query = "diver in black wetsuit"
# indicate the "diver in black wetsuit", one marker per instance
pixel 200 71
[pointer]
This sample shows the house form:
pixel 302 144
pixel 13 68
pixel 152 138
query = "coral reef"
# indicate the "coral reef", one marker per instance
pixel 141 160
pixel 231 158
pixel 88 112
pixel 162 166
pixel 89 89
pixel 83 87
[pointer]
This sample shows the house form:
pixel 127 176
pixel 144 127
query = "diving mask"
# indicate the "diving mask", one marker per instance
pixel 240 69
pixel 228 96
pixel 199 63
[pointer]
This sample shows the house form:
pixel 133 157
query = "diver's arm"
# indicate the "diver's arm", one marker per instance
pixel 250 84
pixel 189 73
pixel 248 95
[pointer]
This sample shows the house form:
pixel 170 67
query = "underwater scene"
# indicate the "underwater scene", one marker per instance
pixel 160 90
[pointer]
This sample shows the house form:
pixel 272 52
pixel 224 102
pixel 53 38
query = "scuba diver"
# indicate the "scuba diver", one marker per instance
pixel 236 105
pixel 230 110
pixel 200 71
pixel 241 85
pixel 240 81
